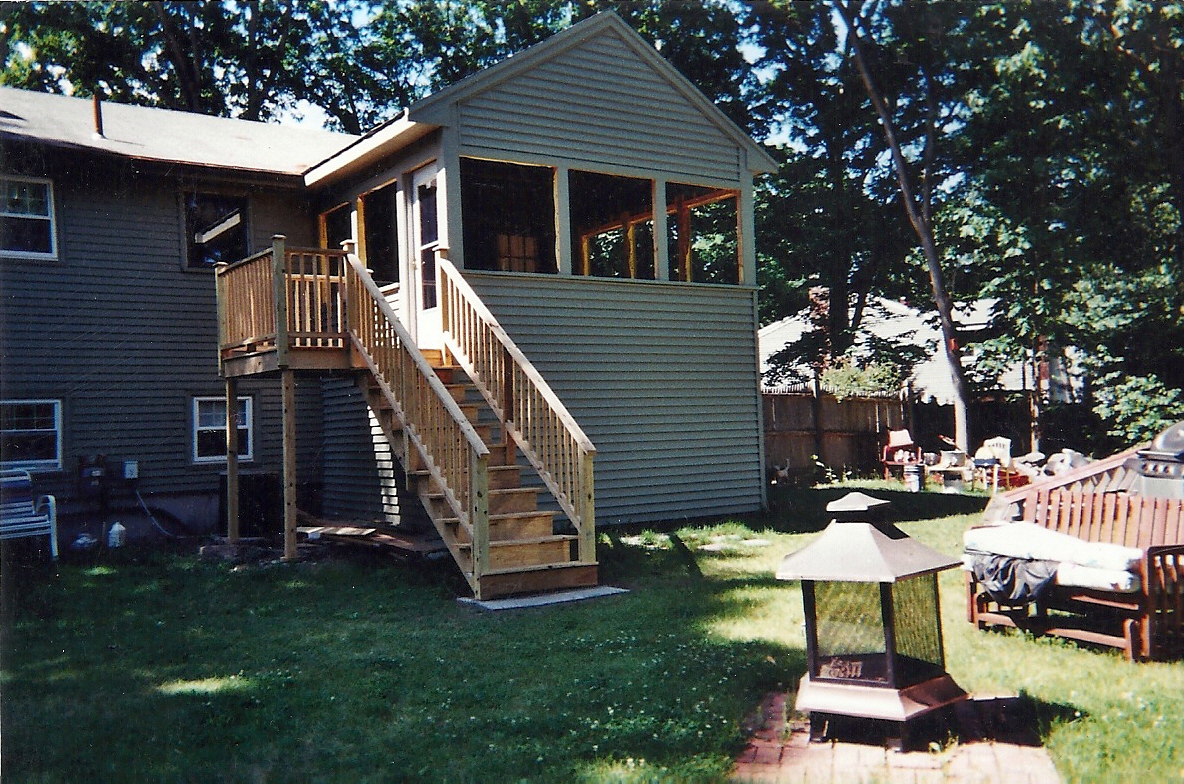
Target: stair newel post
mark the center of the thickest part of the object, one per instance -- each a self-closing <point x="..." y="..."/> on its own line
<point x="279" y="281"/>
<point x="479" y="511"/>
<point x="220" y="301"/>
<point x="349" y="298"/>
<point x="586" y="545"/>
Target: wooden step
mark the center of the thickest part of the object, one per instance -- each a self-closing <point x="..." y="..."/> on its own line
<point x="556" y="577"/>
<point x="459" y="392"/>
<point x="450" y="375"/>
<point x="434" y="356"/>
<point x="508" y="527"/>
<point x="514" y="553"/>
<point x="514" y="500"/>
<point x="501" y="477"/>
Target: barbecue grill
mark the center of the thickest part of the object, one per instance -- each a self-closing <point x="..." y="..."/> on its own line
<point x="1160" y="468"/>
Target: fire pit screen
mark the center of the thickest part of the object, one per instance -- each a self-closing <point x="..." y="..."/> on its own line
<point x="852" y="639"/>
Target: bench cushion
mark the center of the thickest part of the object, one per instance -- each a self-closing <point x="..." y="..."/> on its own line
<point x="1073" y="575"/>
<point x="1028" y="540"/>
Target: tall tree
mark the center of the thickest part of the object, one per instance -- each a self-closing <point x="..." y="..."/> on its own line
<point x="916" y="190"/>
<point x="250" y="60"/>
<point x="840" y="233"/>
<point x="1070" y="214"/>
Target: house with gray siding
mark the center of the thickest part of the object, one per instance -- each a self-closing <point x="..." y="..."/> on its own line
<point x="107" y="325"/>
<point x="540" y="280"/>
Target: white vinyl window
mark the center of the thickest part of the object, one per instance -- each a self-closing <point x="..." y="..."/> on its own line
<point x="209" y="429"/>
<point x="27" y="229"/>
<point x="31" y="434"/>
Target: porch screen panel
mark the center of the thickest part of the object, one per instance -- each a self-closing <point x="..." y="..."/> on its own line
<point x="508" y="212"/>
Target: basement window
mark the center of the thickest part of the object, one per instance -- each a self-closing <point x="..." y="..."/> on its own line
<point x="508" y="213"/>
<point x="703" y="234"/>
<point x="209" y="429"/>
<point x="31" y="434"/>
<point x="612" y="225"/>
<point x="27" y="229"/>
<point x="215" y="229"/>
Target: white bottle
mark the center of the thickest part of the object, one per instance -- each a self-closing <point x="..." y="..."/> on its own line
<point x="117" y="535"/>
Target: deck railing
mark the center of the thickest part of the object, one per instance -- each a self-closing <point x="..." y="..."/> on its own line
<point x="531" y="412"/>
<point x="280" y="299"/>
<point x="431" y="420"/>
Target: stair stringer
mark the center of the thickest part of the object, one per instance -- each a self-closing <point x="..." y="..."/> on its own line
<point x="406" y="450"/>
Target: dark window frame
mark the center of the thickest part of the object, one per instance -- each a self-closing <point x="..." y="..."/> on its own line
<point x="228" y="232"/>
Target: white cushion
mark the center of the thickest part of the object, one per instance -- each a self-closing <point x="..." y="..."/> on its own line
<point x="1073" y="575"/>
<point x="1028" y="540"/>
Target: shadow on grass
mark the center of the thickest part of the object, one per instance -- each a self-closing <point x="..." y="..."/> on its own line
<point x="803" y="509"/>
<point x="180" y="669"/>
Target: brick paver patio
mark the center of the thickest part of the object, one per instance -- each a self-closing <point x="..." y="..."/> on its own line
<point x="992" y="750"/>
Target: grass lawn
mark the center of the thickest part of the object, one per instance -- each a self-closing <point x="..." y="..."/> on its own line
<point x="159" y="667"/>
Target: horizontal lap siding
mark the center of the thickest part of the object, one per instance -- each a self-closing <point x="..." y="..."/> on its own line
<point x="124" y="337"/>
<point x="598" y="103"/>
<point x="662" y="378"/>
<point x="363" y="479"/>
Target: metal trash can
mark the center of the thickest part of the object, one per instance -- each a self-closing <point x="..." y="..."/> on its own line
<point x="912" y="477"/>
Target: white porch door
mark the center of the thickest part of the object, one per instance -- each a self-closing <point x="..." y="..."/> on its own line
<point x="425" y="241"/>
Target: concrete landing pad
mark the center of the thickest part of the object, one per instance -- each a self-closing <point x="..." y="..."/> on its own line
<point x="543" y="599"/>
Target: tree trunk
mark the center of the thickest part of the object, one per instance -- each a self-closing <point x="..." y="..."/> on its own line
<point x="924" y="231"/>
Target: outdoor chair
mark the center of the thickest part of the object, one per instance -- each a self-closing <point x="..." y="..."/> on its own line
<point x="23" y="515"/>
<point x="900" y="451"/>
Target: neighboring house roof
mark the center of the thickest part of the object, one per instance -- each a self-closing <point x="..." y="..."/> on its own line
<point x="438" y="110"/>
<point x="900" y="323"/>
<point x="167" y="136"/>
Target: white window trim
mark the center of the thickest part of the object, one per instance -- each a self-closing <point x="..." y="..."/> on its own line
<point x="52" y="255"/>
<point x="40" y="465"/>
<point x="196" y="428"/>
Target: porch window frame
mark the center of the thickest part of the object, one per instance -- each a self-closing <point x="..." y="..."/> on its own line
<point x="197" y="428"/>
<point x="50" y="217"/>
<point x="36" y="465"/>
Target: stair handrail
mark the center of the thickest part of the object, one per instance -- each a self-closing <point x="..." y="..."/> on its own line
<point x="534" y="416"/>
<point x="433" y="422"/>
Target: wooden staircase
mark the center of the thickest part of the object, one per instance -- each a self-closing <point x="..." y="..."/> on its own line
<point x="465" y="422"/>
<point x="525" y="553"/>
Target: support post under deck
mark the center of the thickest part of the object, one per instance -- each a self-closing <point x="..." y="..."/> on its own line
<point x="289" y="437"/>
<point x="232" y="528"/>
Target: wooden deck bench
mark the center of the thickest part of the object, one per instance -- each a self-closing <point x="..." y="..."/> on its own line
<point x="23" y="515"/>
<point x="1147" y="621"/>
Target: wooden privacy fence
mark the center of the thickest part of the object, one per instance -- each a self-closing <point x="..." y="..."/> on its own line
<point x="802" y="427"/>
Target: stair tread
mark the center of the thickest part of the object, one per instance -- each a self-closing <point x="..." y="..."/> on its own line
<point x="531" y="540"/>
<point x="437" y="496"/>
<point x="505" y="516"/>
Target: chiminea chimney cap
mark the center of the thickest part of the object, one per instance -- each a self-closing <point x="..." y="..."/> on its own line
<point x="858" y="550"/>
<point x="857" y="502"/>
